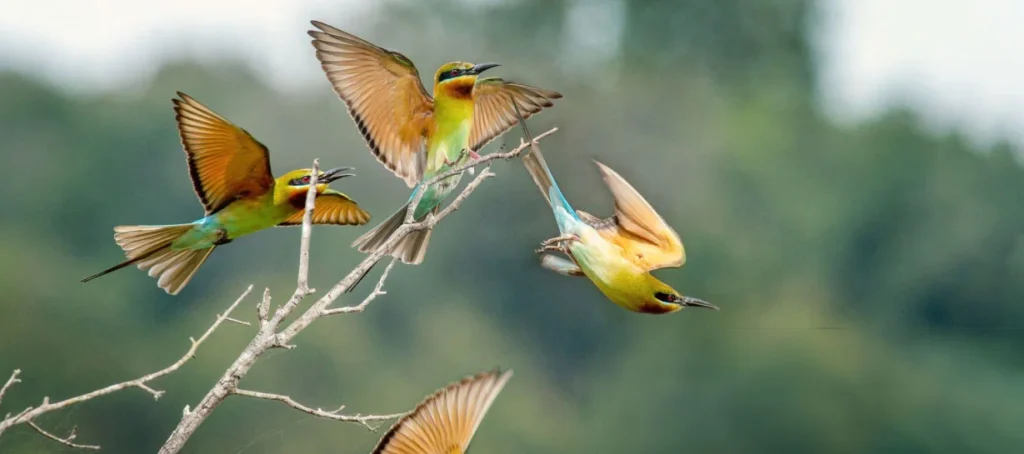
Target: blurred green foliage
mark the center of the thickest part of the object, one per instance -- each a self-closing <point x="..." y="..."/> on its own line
<point x="869" y="276"/>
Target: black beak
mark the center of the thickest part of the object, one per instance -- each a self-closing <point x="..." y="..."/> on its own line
<point x="482" y="67"/>
<point x="694" y="302"/>
<point x="335" y="174"/>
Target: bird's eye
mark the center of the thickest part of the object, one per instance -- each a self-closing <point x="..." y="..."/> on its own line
<point x="454" y="72"/>
<point x="665" y="297"/>
<point x="305" y="179"/>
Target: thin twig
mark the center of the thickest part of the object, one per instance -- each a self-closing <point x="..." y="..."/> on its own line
<point x="378" y="290"/>
<point x="269" y="337"/>
<point x="335" y="415"/>
<point x="30" y="414"/>
<point x="10" y="382"/>
<point x="66" y="441"/>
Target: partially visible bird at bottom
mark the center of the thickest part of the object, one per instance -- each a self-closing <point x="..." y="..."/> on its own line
<point x="230" y="172"/>
<point x="445" y="422"/>
<point x="617" y="254"/>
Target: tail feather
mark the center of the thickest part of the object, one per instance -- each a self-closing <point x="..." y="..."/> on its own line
<point x="540" y="171"/>
<point x="411" y="249"/>
<point x="149" y="247"/>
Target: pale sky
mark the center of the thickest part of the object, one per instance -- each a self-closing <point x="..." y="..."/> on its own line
<point x="960" y="62"/>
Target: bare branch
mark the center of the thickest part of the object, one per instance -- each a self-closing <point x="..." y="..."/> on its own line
<point x="66" y="441"/>
<point x="10" y="382"/>
<point x="302" y="286"/>
<point x="335" y="415"/>
<point x="263" y="308"/>
<point x="269" y="337"/>
<point x="30" y="414"/>
<point x="377" y="291"/>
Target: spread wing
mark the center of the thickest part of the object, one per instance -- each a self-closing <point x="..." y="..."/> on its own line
<point x="445" y="422"/>
<point x="332" y="207"/>
<point x="636" y="227"/>
<point x="224" y="161"/>
<point x="384" y="95"/>
<point x="493" y="113"/>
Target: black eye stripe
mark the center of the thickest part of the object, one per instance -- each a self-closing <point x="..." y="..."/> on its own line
<point x="450" y="74"/>
<point x="664" y="297"/>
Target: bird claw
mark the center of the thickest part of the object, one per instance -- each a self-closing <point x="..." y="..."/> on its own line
<point x="568" y="238"/>
<point x="558" y="243"/>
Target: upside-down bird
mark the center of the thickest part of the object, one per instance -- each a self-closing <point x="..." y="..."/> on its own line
<point x="617" y="254"/>
<point x="230" y="173"/>
<point x="415" y="136"/>
<point x="444" y="423"/>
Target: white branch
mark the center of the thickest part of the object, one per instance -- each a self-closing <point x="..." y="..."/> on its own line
<point x="269" y="337"/>
<point x="378" y="290"/>
<point x="335" y="415"/>
<point x="10" y="382"/>
<point x="66" y="441"/>
<point x="29" y="415"/>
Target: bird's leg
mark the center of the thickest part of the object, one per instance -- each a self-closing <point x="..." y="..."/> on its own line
<point x="462" y="154"/>
<point x="560" y="239"/>
<point x="558" y="243"/>
<point x="551" y="247"/>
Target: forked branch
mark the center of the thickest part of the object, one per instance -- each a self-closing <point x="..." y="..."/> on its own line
<point x="29" y="415"/>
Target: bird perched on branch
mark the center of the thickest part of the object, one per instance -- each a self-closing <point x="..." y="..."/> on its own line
<point x="230" y="173"/>
<point x="412" y="134"/>
<point x="444" y="423"/>
<point x="617" y="253"/>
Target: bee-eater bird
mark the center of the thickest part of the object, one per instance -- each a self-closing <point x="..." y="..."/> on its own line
<point x="230" y="172"/>
<point x="412" y="134"/>
<point x="444" y="423"/>
<point x="617" y="253"/>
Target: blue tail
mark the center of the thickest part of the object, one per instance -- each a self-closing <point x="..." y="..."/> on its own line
<point x="541" y="173"/>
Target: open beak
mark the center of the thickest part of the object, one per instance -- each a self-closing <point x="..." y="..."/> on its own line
<point x="694" y="302"/>
<point x="477" y="69"/>
<point x="335" y="174"/>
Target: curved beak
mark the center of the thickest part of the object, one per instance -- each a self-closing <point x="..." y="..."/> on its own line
<point x="335" y="174"/>
<point x="694" y="302"/>
<point x="477" y="69"/>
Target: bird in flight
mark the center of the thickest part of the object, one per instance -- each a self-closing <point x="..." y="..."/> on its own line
<point x="617" y="254"/>
<point x="444" y="423"/>
<point x="415" y="135"/>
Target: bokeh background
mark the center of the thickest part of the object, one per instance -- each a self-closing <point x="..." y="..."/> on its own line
<point x="846" y="175"/>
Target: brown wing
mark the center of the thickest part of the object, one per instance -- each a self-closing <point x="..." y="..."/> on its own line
<point x="493" y="113"/>
<point x="224" y="161"/>
<point x="332" y="207"/>
<point x="638" y="229"/>
<point x="384" y="95"/>
<point x="445" y="421"/>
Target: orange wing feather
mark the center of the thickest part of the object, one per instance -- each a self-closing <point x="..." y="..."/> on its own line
<point x="644" y="236"/>
<point x="332" y="208"/>
<point x="446" y="420"/>
<point x="225" y="162"/>
<point x="493" y="113"/>
<point x="384" y="95"/>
